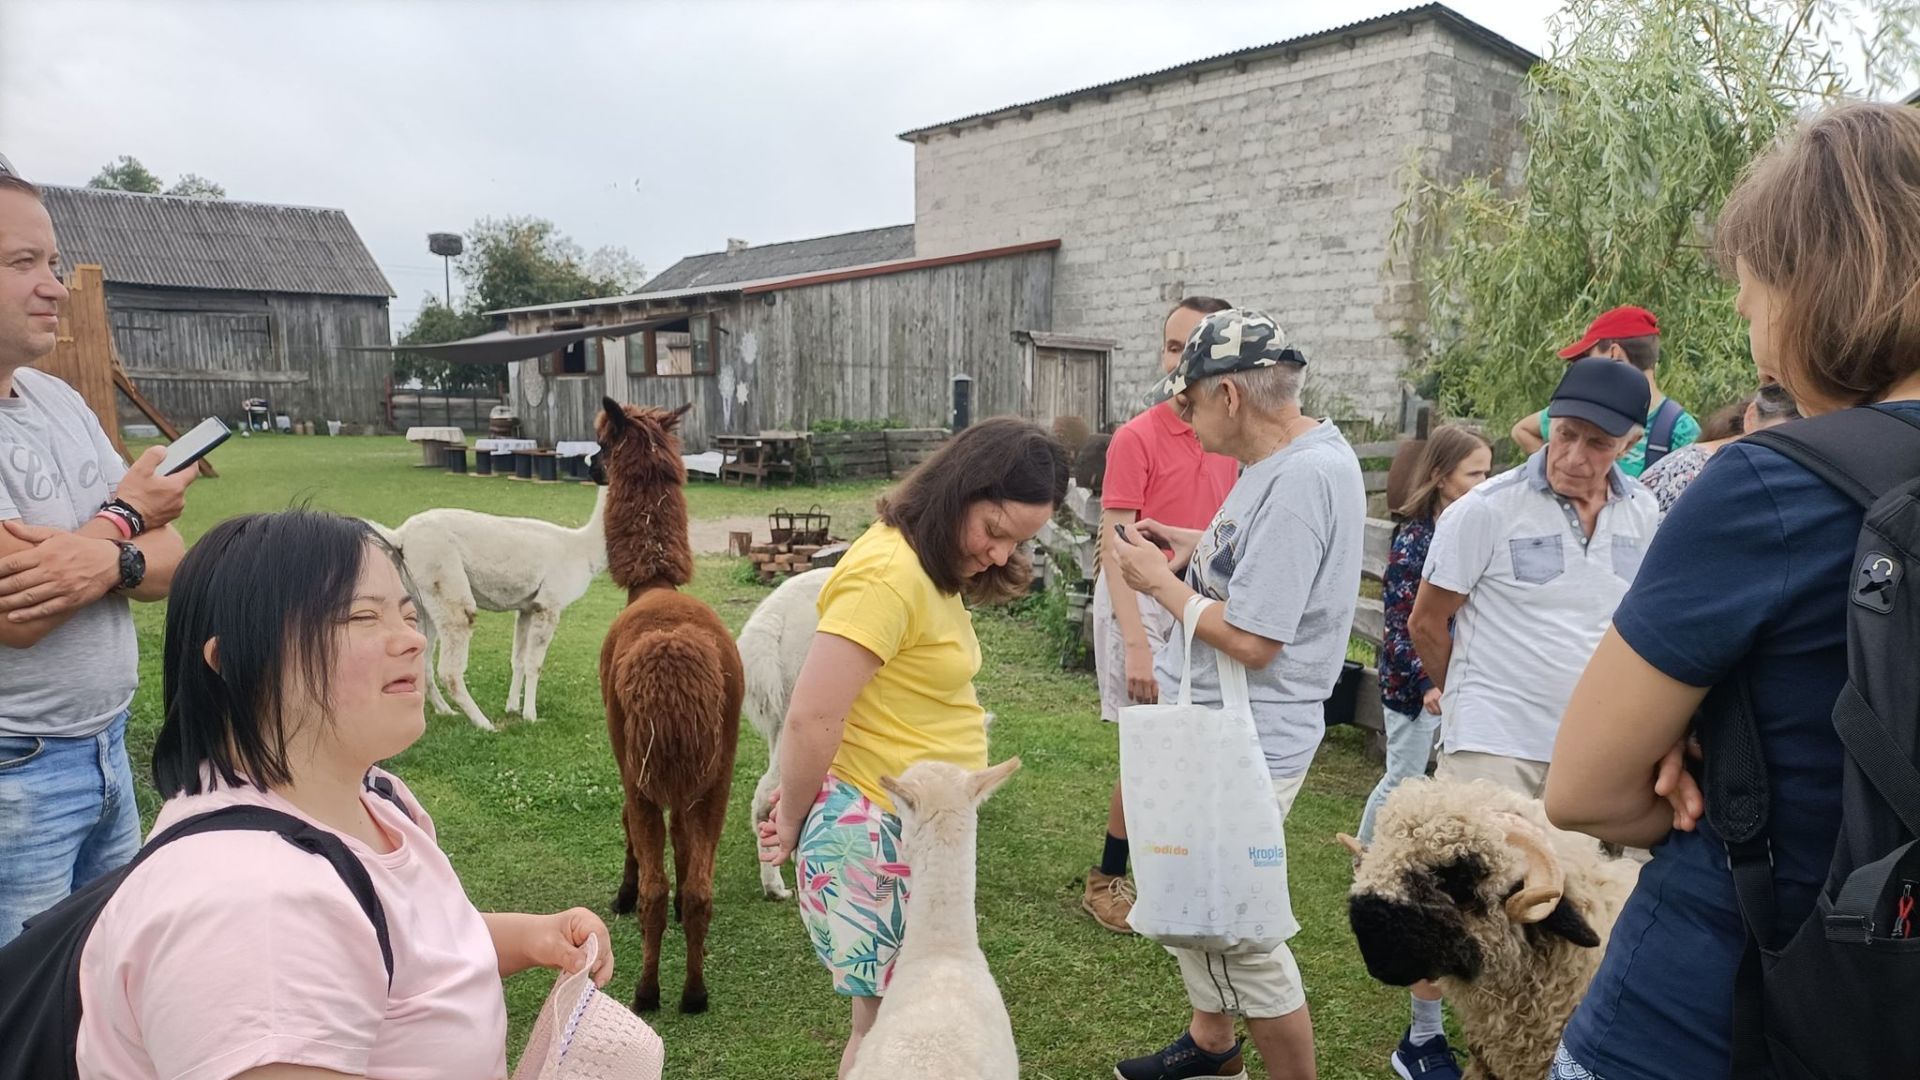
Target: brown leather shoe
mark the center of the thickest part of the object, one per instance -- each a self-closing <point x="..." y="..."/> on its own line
<point x="1109" y="899"/>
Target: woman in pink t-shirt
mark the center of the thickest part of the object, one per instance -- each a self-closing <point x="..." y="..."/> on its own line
<point x="292" y="664"/>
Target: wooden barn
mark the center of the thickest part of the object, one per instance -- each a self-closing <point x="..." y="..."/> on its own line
<point x="215" y="301"/>
<point x="782" y="336"/>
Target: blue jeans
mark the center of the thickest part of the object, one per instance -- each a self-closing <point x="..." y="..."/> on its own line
<point x="1409" y="748"/>
<point x="67" y="815"/>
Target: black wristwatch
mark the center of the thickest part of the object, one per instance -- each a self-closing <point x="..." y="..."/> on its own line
<point x="133" y="566"/>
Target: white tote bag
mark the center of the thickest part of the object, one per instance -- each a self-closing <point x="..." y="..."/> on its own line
<point x="1209" y="852"/>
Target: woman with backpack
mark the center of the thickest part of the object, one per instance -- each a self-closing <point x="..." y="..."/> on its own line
<point x="1749" y="586"/>
<point x="292" y="665"/>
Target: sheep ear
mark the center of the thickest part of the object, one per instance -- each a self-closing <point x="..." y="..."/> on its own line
<point x="983" y="783"/>
<point x="902" y="795"/>
<point x="1566" y="922"/>
<point x="1546" y="881"/>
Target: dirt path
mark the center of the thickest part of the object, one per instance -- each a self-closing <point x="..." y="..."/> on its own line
<point x="709" y="535"/>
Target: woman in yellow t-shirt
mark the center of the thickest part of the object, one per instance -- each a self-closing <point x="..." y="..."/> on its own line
<point x="888" y="682"/>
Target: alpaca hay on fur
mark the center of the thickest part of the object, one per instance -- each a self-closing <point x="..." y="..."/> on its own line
<point x="1467" y="885"/>
<point x="672" y="683"/>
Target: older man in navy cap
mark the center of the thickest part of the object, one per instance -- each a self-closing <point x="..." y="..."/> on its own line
<point x="1527" y="568"/>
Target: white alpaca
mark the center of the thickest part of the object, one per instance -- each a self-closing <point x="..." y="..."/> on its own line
<point x="463" y="562"/>
<point x="942" y="1015"/>
<point x="774" y="646"/>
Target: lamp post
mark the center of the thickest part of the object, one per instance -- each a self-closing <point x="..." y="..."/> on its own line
<point x="446" y="245"/>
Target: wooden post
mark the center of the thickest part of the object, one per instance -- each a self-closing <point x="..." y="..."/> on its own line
<point x="83" y="356"/>
<point x="740" y="544"/>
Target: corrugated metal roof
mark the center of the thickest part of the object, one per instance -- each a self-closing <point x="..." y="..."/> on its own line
<point x="788" y="281"/>
<point x="1438" y="12"/>
<point x="787" y="259"/>
<point x="184" y="243"/>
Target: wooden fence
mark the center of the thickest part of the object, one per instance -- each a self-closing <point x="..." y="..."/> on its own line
<point x="440" y="408"/>
<point x="858" y="455"/>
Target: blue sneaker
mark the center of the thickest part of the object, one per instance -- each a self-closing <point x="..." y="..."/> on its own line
<point x="1430" y="1060"/>
<point x="1184" y="1061"/>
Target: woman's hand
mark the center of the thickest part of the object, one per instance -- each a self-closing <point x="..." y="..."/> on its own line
<point x="556" y="941"/>
<point x="1180" y="541"/>
<point x="1142" y="565"/>
<point x="1672" y="782"/>
<point x="559" y="941"/>
<point x="778" y="836"/>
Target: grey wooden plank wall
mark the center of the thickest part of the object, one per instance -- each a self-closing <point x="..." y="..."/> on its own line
<point x="887" y="348"/>
<point x="197" y="354"/>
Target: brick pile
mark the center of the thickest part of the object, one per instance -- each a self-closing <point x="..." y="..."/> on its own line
<point x="775" y="561"/>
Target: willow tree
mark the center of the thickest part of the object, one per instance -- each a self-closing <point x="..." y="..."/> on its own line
<point x="1641" y="122"/>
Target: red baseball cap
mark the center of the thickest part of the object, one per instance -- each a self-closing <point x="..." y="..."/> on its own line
<point x="1625" y="321"/>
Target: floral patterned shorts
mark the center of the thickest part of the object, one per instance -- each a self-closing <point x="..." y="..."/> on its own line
<point x="853" y="888"/>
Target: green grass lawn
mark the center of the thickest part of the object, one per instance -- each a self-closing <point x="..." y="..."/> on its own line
<point x="531" y="815"/>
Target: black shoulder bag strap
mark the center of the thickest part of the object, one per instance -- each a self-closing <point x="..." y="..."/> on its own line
<point x="1660" y="434"/>
<point x="1861" y="453"/>
<point x="302" y="835"/>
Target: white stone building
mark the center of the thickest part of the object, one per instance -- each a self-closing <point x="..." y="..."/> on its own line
<point x="1269" y="176"/>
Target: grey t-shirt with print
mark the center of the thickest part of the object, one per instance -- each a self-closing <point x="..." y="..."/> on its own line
<point x="1283" y="554"/>
<point x="56" y="468"/>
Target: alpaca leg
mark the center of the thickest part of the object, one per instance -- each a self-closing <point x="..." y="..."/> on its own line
<point x="543" y="623"/>
<point x="435" y="699"/>
<point x="677" y="831"/>
<point x="772" y="885"/>
<point x="705" y="819"/>
<point x="453" y="666"/>
<point x="648" y="850"/>
<point x="520" y="621"/>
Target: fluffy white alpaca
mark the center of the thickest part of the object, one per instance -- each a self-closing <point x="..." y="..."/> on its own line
<point x="774" y="645"/>
<point x="942" y="1016"/>
<point x="463" y="562"/>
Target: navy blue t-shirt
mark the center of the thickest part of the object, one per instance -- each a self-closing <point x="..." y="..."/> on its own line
<point x="1750" y="571"/>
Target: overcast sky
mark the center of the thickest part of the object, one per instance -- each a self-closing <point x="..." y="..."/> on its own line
<point x="664" y="128"/>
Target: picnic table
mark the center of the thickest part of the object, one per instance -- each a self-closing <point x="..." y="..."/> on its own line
<point x="762" y="455"/>
<point x="434" y="444"/>
<point x="576" y="455"/>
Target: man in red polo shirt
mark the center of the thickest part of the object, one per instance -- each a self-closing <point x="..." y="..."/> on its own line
<point x="1155" y="469"/>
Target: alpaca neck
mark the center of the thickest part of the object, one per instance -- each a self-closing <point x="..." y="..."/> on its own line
<point x="941" y="906"/>
<point x="593" y="535"/>
<point x="646" y="533"/>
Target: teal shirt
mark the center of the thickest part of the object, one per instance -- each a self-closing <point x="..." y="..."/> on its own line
<point x="1686" y="432"/>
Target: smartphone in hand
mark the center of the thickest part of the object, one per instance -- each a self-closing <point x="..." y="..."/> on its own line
<point x="193" y="446"/>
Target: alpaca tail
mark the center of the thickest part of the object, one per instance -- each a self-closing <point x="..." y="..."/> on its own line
<point x="673" y="686"/>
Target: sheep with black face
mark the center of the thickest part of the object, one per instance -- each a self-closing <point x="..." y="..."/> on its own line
<point x="1466" y="884"/>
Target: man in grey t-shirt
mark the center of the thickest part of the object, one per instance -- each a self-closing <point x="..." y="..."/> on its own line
<point x="80" y="535"/>
<point x="1283" y="557"/>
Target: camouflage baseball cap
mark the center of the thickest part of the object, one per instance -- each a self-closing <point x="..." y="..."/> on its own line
<point x="1227" y="341"/>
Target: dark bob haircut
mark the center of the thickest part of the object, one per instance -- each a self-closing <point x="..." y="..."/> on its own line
<point x="272" y="588"/>
<point x="999" y="460"/>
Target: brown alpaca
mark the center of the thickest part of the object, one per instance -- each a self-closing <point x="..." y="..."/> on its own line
<point x="671" y="679"/>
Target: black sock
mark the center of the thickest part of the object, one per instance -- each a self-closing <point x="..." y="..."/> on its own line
<point x="1113" y="861"/>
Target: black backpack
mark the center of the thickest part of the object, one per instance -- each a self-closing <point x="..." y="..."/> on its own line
<point x="40" y="969"/>
<point x="1839" y="1000"/>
